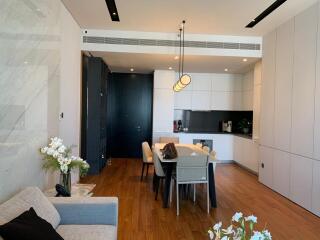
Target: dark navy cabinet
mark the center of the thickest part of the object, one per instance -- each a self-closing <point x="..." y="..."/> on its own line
<point x="94" y="134"/>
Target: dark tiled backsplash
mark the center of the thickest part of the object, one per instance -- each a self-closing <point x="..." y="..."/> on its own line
<point x="210" y="121"/>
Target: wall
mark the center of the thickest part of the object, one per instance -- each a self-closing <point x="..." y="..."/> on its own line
<point x="32" y="44"/>
<point x="290" y="113"/>
<point x="163" y="100"/>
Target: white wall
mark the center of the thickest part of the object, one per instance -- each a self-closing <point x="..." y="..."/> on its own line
<point x="163" y="100"/>
<point x="290" y="110"/>
<point x="33" y="48"/>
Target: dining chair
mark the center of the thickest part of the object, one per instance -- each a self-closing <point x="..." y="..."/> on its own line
<point x="191" y="170"/>
<point x="158" y="174"/>
<point x="169" y="140"/>
<point x="146" y="158"/>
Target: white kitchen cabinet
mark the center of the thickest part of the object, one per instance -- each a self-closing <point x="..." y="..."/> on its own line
<point x="305" y="46"/>
<point x="267" y="90"/>
<point x="201" y="100"/>
<point x="281" y="172"/>
<point x="163" y="110"/>
<point x="246" y="153"/>
<point x="163" y="79"/>
<point x="247" y="100"/>
<point x="201" y="81"/>
<point x="226" y="82"/>
<point x="266" y="166"/>
<point x="223" y="144"/>
<point x="316" y="188"/>
<point x="283" y="85"/>
<point x="183" y="100"/>
<point x="301" y="181"/>
<point x="226" y="101"/>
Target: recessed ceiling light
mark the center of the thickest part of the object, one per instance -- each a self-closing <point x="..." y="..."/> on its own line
<point x="245" y="60"/>
<point x="25" y="62"/>
<point x="226" y="69"/>
<point x="176" y="57"/>
<point x="38" y="9"/>
<point x="170" y="68"/>
<point x="131" y="69"/>
<point x="114" y="14"/>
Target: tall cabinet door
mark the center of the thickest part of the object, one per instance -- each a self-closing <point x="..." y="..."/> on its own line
<point x="266" y="166"/>
<point x="305" y="47"/>
<point x="281" y="172"/>
<point x="283" y="85"/>
<point x="267" y="91"/>
<point x="301" y="181"/>
<point x="317" y="100"/>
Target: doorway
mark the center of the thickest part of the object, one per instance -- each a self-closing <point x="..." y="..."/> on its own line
<point x="130" y="101"/>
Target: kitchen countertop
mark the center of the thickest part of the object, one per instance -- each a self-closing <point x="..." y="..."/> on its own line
<point x="247" y="136"/>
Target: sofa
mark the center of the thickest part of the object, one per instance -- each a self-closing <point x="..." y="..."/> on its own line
<point x="73" y="218"/>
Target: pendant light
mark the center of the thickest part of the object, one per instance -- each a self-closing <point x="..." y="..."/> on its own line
<point x="184" y="79"/>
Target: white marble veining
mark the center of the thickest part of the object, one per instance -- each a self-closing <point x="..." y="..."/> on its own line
<point x="30" y="40"/>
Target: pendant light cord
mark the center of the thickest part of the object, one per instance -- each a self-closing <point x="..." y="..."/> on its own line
<point x="182" y="68"/>
<point x="180" y="52"/>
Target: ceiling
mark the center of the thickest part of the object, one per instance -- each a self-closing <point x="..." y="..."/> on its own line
<point x="146" y="63"/>
<point x="223" y="17"/>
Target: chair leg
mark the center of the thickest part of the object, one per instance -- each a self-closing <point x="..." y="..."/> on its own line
<point x="171" y="189"/>
<point x="157" y="187"/>
<point x="147" y="170"/>
<point x="208" y="198"/>
<point x="194" y="192"/>
<point x="154" y="181"/>
<point x="142" y="172"/>
<point x="177" y="189"/>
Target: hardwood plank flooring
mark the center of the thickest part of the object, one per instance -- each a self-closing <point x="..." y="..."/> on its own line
<point x="143" y="218"/>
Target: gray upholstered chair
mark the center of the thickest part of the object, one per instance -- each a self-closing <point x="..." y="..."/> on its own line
<point x="192" y="168"/>
<point x="158" y="174"/>
<point x="169" y="140"/>
<point x="146" y="158"/>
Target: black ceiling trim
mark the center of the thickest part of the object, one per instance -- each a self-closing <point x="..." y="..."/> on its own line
<point x="112" y="7"/>
<point x="265" y="13"/>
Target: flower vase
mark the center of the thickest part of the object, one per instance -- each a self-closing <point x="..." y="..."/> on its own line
<point x="65" y="181"/>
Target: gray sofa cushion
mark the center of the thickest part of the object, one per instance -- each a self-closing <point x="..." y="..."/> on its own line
<point x="30" y="197"/>
<point x="85" y="232"/>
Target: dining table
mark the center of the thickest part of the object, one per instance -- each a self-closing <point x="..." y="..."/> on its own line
<point x="169" y="165"/>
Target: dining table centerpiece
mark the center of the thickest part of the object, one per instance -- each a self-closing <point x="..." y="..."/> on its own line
<point x="57" y="157"/>
<point x="241" y="228"/>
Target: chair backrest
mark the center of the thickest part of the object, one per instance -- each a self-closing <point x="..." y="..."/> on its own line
<point x="146" y="152"/>
<point x="206" y="149"/>
<point x="192" y="165"/>
<point x="157" y="166"/>
<point x="169" y="140"/>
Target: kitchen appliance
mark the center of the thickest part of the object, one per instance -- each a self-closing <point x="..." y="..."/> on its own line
<point x="227" y="126"/>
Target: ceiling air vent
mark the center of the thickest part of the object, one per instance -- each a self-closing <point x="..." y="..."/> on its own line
<point x="170" y="43"/>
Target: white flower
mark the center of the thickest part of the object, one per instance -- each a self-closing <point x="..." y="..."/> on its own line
<point x="64" y="168"/>
<point x="251" y="218"/>
<point x="225" y="238"/>
<point x="50" y="151"/>
<point x="217" y="226"/>
<point x="257" y="236"/>
<point x="229" y="230"/>
<point x="267" y="234"/>
<point x="236" y="217"/>
<point x="56" y="154"/>
<point x="211" y="234"/>
<point x="62" y="149"/>
<point x="44" y="149"/>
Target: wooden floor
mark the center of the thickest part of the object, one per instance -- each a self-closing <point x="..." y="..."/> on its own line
<point x="141" y="217"/>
